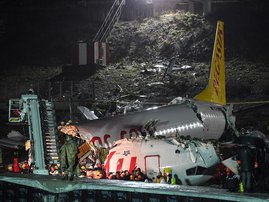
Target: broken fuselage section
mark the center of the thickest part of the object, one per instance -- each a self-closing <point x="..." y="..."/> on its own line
<point x="189" y="160"/>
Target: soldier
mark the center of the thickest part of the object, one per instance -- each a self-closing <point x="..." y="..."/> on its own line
<point x="69" y="151"/>
<point x="69" y="159"/>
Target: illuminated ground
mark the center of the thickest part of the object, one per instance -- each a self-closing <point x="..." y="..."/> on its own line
<point x="55" y="185"/>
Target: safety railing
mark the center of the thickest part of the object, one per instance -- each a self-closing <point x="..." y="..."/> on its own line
<point x="56" y="90"/>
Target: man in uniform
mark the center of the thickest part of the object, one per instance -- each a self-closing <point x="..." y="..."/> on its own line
<point x="69" y="151"/>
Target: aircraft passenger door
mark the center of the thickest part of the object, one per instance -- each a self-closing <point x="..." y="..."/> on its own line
<point x="152" y="165"/>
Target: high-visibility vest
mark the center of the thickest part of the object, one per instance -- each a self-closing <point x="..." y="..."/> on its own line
<point x="173" y="181"/>
<point x="241" y="187"/>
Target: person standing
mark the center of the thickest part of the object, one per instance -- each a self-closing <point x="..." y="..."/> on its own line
<point x="69" y="159"/>
<point x="69" y="152"/>
<point x="232" y="182"/>
<point x="1" y="160"/>
<point x="246" y="156"/>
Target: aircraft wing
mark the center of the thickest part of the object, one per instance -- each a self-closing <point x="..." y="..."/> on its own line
<point x="13" y="140"/>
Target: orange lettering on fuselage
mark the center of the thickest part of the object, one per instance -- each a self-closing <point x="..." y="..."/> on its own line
<point x="132" y="132"/>
<point x="218" y="58"/>
<point x="95" y="138"/>
<point x="106" y="136"/>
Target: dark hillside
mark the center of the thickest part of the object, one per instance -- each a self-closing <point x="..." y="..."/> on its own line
<point x="141" y="51"/>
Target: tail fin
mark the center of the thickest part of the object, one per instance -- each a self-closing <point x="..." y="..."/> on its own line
<point x="215" y="91"/>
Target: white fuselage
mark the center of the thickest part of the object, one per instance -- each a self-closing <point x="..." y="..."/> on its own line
<point x="191" y="118"/>
<point x="189" y="159"/>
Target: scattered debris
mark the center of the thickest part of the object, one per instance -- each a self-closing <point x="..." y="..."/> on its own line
<point x="87" y="113"/>
<point x="155" y="83"/>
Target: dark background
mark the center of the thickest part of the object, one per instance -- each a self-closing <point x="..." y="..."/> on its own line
<point x="44" y="32"/>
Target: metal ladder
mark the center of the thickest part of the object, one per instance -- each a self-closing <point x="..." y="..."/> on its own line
<point x="110" y="20"/>
<point x="49" y="131"/>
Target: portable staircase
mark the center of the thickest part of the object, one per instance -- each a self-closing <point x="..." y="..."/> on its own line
<point x="40" y="117"/>
<point x="49" y="131"/>
<point x="110" y="20"/>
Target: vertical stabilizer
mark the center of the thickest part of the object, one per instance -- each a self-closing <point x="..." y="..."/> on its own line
<point x="215" y="91"/>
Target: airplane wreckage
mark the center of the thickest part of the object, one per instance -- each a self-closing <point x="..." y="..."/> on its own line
<point x="172" y="139"/>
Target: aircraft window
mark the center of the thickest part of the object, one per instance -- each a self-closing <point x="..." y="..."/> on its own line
<point x="198" y="170"/>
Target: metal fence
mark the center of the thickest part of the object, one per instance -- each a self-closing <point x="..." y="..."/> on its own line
<point x="56" y="90"/>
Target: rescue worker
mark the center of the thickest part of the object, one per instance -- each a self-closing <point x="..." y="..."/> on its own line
<point x="127" y="175"/>
<point x="1" y="159"/>
<point x="232" y="182"/>
<point x="25" y="167"/>
<point x="251" y="148"/>
<point x="159" y="177"/>
<point x="103" y="152"/>
<point x="69" y="151"/>
<point x="139" y="176"/>
<point x="27" y="145"/>
<point x="62" y="124"/>
<point x="69" y="160"/>
<point x="54" y="169"/>
<point x="169" y="178"/>
<point x="16" y="166"/>
<point x="246" y="156"/>
<point x="175" y="180"/>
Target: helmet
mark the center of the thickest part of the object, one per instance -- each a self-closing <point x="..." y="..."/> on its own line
<point x="69" y="122"/>
<point x="10" y="168"/>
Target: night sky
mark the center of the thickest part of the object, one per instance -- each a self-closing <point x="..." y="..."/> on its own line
<point x="45" y="32"/>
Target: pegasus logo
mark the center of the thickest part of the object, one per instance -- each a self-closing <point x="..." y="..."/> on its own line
<point x="215" y="90"/>
<point x="126" y="153"/>
<point x="218" y="58"/>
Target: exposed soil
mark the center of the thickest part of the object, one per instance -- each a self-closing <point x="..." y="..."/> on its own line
<point x="141" y="52"/>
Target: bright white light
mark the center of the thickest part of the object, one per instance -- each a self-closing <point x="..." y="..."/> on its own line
<point x="152" y="108"/>
<point x="191" y="126"/>
<point x="199" y="124"/>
